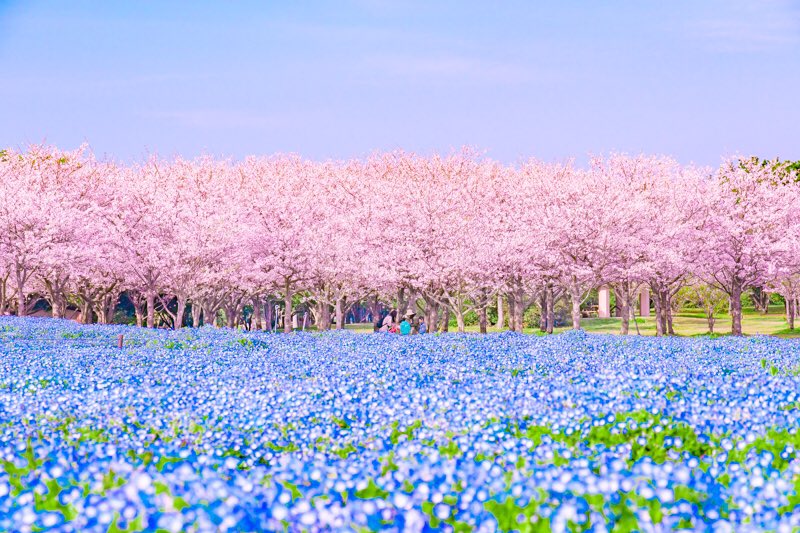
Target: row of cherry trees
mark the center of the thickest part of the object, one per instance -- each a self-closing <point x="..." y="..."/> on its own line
<point x="193" y="241"/>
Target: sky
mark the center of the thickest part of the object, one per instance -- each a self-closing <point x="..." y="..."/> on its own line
<point x="694" y="79"/>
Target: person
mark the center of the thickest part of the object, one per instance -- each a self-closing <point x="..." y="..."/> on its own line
<point x="422" y="327"/>
<point x="389" y="320"/>
<point x="405" y="325"/>
<point x="384" y="328"/>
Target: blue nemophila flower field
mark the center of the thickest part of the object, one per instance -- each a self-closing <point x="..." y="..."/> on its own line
<point x="206" y="430"/>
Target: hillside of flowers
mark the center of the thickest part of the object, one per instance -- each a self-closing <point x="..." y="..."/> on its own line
<point x="216" y="429"/>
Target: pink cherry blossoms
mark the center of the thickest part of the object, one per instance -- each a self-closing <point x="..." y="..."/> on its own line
<point x="193" y="242"/>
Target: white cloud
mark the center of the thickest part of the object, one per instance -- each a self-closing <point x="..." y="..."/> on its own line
<point x="749" y="26"/>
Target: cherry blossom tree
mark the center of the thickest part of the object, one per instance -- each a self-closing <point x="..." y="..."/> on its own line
<point x="623" y="230"/>
<point x="45" y="212"/>
<point x="440" y="234"/>
<point x="749" y="230"/>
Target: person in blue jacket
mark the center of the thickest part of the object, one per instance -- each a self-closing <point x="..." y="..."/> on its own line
<point x="405" y="325"/>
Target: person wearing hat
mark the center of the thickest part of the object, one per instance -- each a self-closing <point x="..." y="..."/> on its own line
<point x="405" y="325"/>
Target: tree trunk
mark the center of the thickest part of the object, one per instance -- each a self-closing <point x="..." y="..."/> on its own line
<point x="551" y="313"/>
<point x="268" y="315"/>
<point x="340" y="318"/>
<point x="575" y="295"/>
<point x="445" y="326"/>
<point x="55" y="295"/>
<point x="21" y="278"/>
<point x="483" y="321"/>
<point x="501" y="319"/>
<point x="112" y="299"/>
<point x="197" y="311"/>
<point x="210" y="315"/>
<point x="659" y="312"/>
<point x="736" y="308"/>
<point x="412" y="300"/>
<point x="287" y="311"/>
<point x="137" y="311"/>
<point x="104" y="308"/>
<point x="670" y="328"/>
<point x="543" y="311"/>
<point x="3" y="294"/>
<point x="791" y="310"/>
<point x="512" y="323"/>
<point x="150" y="300"/>
<point x="255" y="321"/>
<point x="760" y="299"/>
<point x="375" y="309"/>
<point x="21" y="307"/>
<point x="59" y="306"/>
<point x="431" y="313"/>
<point x="86" y="311"/>
<point x="519" y="308"/>
<point x="711" y="321"/>
<point x="324" y="316"/>
<point x="402" y="303"/>
<point x="623" y="303"/>
<point x="663" y="297"/>
<point x="230" y="315"/>
<point x="180" y="312"/>
<point x="460" y="320"/>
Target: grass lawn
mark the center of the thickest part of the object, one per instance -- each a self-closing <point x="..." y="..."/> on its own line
<point x="691" y="322"/>
<point x="687" y="323"/>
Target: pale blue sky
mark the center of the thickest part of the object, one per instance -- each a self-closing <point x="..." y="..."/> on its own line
<point x="690" y="78"/>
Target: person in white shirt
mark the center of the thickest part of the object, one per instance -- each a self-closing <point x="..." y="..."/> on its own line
<point x="389" y="320"/>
